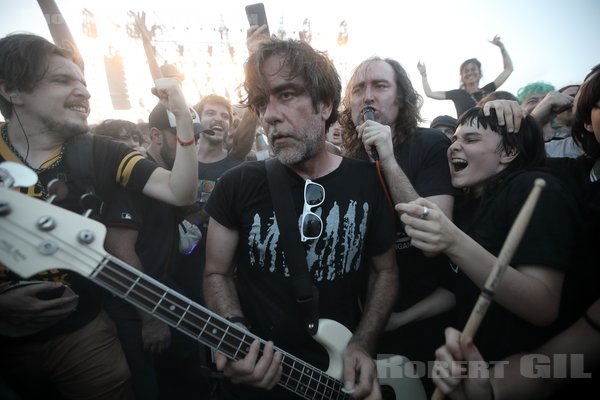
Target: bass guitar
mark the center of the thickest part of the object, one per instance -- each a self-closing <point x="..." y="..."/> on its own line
<point x="36" y="236"/>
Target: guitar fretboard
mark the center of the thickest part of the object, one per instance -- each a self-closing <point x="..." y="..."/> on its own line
<point x="207" y="327"/>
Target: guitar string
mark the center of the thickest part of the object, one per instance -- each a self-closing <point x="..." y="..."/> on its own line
<point x="297" y="384"/>
<point x="300" y="384"/>
<point x="330" y="384"/>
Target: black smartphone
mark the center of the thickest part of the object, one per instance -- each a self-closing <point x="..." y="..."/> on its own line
<point x="257" y="16"/>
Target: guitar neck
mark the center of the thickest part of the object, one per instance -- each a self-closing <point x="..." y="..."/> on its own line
<point x="34" y="233"/>
<point x="207" y="327"/>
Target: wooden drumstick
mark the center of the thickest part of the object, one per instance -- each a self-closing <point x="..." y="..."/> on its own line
<point x="493" y="280"/>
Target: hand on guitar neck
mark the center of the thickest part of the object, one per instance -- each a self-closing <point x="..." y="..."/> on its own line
<point x="35" y="235"/>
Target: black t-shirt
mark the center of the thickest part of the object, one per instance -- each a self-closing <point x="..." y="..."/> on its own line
<point x="582" y="287"/>
<point x="358" y="223"/>
<point x="115" y="165"/>
<point x="423" y="158"/>
<point x="549" y="241"/>
<point x="464" y="100"/>
<point x="190" y="267"/>
<point x="156" y="223"/>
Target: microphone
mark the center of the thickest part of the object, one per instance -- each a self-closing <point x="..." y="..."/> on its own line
<point x="369" y="115"/>
<point x="200" y="128"/>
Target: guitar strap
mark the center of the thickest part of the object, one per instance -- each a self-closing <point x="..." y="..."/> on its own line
<point x="79" y="153"/>
<point x="306" y="294"/>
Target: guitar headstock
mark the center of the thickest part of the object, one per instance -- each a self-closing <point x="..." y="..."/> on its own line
<point x="36" y="236"/>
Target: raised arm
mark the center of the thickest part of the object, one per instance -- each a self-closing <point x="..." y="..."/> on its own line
<point x="61" y="34"/>
<point x="146" y="36"/>
<point x="178" y="186"/>
<point x="374" y="134"/>
<point x="426" y="88"/>
<point x="244" y="136"/>
<point x="531" y="291"/>
<point x="508" y="66"/>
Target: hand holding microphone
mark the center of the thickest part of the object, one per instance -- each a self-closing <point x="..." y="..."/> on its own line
<point x="369" y="115"/>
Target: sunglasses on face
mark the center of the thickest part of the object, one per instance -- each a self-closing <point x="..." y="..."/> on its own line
<point x="311" y="225"/>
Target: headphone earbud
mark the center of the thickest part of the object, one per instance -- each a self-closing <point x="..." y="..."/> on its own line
<point x="13" y="94"/>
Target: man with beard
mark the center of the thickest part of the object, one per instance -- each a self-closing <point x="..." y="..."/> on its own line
<point x="295" y="91"/>
<point x="414" y="164"/>
<point x="65" y="344"/>
<point x="144" y="232"/>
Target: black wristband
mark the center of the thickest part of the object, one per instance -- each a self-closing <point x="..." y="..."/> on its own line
<point x="234" y="319"/>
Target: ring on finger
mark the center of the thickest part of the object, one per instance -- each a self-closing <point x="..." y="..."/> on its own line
<point x="425" y="212"/>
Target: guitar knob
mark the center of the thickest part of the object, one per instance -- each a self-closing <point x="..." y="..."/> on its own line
<point x="46" y="223"/>
<point x="91" y="203"/>
<point x="86" y="236"/>
<point x="47" y="248"/>
<point x="57" y="191"/>
<point x="4" y="209"/>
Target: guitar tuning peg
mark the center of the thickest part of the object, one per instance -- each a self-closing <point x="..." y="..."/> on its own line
<point x="6" y="179"/>
<point x="13" y="174"/>
<point x="57" y="191"/>
<point x="91" y="203"/>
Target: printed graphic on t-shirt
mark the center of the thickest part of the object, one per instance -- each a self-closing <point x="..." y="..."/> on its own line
<point x="336" y="253"/>
<point x="402" y="240"/>
<point x="205" y="188"/>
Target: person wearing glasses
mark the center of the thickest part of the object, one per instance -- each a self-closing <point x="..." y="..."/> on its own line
<point x="345" y="225"/>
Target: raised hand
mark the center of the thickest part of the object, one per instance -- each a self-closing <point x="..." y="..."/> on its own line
<point x="460" y="371"/>
<point x="255" y="35"/>
<point x="496" y="41"/>
<point x="421" y="68"/>
<point x="168" y="90"/>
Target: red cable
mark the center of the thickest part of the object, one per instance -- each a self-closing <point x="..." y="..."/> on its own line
<point x="383" y="185"/>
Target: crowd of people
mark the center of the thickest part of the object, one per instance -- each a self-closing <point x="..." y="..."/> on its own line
<point x="395" y="228"/>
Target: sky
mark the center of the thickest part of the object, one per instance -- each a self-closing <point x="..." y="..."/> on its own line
<point x="555" y="41"/>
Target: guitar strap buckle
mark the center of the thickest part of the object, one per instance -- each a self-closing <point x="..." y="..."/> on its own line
<point x="309" y="309"/>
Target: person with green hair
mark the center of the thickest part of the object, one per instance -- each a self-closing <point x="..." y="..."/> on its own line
<point x="543" y="102"/>
<point x="531" y="94"/>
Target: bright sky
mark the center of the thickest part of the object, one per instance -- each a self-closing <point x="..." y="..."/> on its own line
<point x="556" y="41"/>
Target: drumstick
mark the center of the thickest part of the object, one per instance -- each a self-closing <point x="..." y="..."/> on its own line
<point x="508" y="249"/>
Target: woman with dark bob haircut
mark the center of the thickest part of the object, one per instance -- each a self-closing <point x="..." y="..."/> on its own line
<point x="497" y="169"/>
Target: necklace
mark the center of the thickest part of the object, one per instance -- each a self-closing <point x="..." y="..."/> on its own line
<point x="51" y="163"/>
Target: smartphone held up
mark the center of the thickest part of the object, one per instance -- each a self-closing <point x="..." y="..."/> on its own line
<point x="256" y="15"/>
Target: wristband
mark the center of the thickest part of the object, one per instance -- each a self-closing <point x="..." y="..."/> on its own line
<point x="184" y="143"/>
